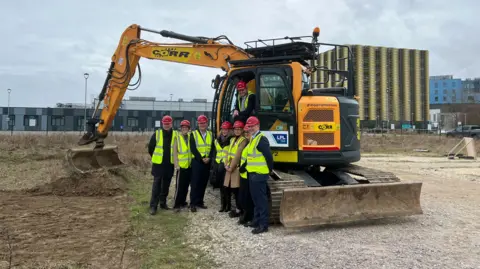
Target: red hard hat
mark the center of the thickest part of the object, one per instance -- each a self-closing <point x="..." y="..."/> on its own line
<point x="167" y="119"/>
<point x="226" y="125"/>
<point x="202" y="119"/>
<point x="238" y="124"/>
<point x="245" y="128"/>
<point x="241" y="85"/>
<point x="252" y="121"/>
<point x="185" y="123"/>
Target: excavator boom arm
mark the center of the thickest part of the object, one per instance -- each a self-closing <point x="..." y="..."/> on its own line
<point x="201" y="52"/>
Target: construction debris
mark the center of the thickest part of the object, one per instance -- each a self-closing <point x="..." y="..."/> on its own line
<point x="468" y="145"/>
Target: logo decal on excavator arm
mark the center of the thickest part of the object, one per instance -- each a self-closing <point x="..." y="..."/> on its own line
<point x="174" y="54"/>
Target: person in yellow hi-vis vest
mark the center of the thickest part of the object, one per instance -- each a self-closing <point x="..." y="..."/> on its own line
<point x="160" y="149"/>
<point x="244" y="192"/>
<point x="202" y="146"/>
<point x="245" y="103"/>
<point x="232" y="176"/>
<point x="221" y="149"/>
<point x="182" y="157"/>
<point x="259" y="167"/>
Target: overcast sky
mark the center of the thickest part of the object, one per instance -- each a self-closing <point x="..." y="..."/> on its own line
<point x="47" y="45"/>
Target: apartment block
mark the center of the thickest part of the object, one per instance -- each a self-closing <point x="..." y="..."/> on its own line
<point x="392" y="83"/>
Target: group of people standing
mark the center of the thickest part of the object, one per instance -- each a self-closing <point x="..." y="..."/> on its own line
<point x="240" y="157"/>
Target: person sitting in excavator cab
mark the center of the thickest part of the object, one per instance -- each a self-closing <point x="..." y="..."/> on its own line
<point x="245" y="103"/>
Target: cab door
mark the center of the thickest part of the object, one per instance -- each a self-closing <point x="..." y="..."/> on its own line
<point x="275" y="108"/>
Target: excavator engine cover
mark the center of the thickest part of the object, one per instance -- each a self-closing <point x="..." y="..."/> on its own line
<point x="87" y="160"/>
<point x="312" y="206"/>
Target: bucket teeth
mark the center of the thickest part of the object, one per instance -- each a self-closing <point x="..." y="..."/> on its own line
<point x="87" y="160"/>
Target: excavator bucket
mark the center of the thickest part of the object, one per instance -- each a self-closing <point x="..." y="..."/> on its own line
<point x="87" y="160"/>
<point x="313" y="206"/>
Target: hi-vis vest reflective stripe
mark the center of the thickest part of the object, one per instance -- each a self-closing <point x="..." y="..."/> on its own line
<point x="184" y="153"/>
<point x="256" y="162"/>
<point x="157" y="155"/>
<point x="243" y="106"/>
<point x="221" y="152"/>
<point x="232" y="149"/>
<point x="243" y="160"/>
<point x="203" y="147"/>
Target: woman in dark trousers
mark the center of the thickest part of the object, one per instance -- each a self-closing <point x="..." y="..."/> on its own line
<point x="244" y="193"/>
<point x="232" y="162"/>
<point x="221" y="147"/>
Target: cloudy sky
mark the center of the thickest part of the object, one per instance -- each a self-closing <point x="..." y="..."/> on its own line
<point x="47" y="45"/>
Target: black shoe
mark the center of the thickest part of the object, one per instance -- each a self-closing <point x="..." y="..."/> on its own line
<point x="153" y="211"/>
<point x="164" y="206"/>
<point x="233" y="214"/>
<point x="203" y="206"/>
<point x="193" y="209"/>
<point x="260" y="230"/>
<point x="251" y="224"/>
<point x="222" y="209"/>
<point x="241" y="221"/>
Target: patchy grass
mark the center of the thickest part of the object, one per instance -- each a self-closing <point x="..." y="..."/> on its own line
<point x="160" y="240"/>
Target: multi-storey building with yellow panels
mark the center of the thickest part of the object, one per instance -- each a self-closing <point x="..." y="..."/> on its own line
<point x="392" y="84"/>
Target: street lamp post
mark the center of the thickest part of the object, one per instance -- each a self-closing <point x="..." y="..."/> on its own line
<point x="85" y="75"/>
<point x="8" y="111"/>
<point x="171" y="105"/>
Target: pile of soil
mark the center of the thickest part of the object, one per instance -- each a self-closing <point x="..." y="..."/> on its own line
<point x="95" y="184"/>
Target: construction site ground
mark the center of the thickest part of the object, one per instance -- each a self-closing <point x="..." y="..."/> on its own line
<point x="52" y="218"/>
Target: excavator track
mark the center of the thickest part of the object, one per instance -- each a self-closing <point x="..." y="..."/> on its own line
<point x="369" y="175"/>
<point x="287" y="181"/>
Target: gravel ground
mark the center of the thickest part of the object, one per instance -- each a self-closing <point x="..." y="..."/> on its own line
<point x="447" y="235"/>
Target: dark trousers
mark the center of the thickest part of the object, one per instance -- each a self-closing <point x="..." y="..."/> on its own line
<point x="200" y="175"/>
<point x="182" y="184"/>
<point x="218" y="176"/>
<point x="228" y="197"/>
<point x="161" y="186"/>
<point x="259" y="191"/>
<point x="246" y="200"/>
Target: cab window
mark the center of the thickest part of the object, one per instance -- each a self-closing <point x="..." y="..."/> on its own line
<point x="274" y="95"/>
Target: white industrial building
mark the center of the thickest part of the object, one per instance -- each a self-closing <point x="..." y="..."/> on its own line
<point x="150" y="103"/>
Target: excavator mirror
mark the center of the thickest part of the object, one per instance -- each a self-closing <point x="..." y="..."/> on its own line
<point x="216" y="82"/>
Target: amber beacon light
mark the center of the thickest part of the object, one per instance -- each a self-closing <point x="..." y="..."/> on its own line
<point x="316" y="32"/>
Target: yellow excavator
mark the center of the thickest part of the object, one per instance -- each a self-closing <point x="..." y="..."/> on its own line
<point x="313" y="129"/>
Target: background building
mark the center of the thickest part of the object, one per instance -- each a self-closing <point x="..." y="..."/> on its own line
<point x="471" y="90"/>
<point x="448" y="90"/>
<point x="135" y="114"/>
<point x="392" y="83"/>
<point x="445" y="90"/>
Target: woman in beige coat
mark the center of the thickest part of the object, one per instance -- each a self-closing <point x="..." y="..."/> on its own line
<point x="232" y="163"/>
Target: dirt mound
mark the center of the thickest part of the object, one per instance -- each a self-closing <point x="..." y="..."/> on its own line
<point x="95" y="184"/>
